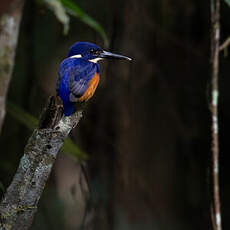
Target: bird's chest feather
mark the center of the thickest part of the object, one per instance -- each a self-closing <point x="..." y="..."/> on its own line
<point x="92" y="85"/>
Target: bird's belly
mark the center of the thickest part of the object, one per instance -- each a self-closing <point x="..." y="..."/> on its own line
<point x="91" y="88"/>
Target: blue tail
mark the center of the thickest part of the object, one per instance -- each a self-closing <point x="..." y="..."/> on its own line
<point x="68" y="108"/>
<point x="63" y="92"/>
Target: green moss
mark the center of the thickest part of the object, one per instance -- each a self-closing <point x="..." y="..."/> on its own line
<point x="21" y="208"/>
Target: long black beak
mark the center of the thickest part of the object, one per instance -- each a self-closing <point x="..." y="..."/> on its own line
<point x="109" y="55"/>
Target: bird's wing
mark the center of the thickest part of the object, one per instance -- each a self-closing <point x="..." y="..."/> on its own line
<point x="80" y="72"/>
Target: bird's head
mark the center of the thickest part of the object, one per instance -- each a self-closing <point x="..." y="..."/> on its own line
<point x="92" y="52"/>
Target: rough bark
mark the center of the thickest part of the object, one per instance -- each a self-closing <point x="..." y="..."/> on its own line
<point x="9" y="28"/>
<point x="20" y="201"/>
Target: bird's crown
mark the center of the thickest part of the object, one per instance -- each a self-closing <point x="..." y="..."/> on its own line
<point x="85" y="50"/>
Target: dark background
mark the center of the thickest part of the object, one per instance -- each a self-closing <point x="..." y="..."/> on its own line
<point x="147" y="129"/>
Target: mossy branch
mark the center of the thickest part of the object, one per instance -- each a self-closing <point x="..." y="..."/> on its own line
<point x="20" y="201"/>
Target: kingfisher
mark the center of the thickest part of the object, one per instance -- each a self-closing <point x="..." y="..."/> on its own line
<point x="79" y="73"/>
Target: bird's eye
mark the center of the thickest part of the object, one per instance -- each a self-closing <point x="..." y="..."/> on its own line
<point x="91" y="51"/>
<point x="94" y="52"/>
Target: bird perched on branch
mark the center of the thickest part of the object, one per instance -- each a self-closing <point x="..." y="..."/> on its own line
<point x="79" y="73"/>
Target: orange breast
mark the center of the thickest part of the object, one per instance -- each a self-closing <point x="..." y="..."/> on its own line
<point x="91" y="88"/>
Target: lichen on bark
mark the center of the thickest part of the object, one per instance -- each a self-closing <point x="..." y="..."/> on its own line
<point x="20" y="201"/>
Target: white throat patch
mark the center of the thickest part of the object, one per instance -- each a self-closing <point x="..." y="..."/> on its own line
<point x="95" y="60"/>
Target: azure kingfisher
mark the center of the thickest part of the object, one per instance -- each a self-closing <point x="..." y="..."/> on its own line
<point x="79" y="73"/>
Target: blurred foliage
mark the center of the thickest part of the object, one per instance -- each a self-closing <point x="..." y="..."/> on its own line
<point x="60" y="12"/>
<point x="31" y="122"/>
<point x="21" y="116"/>
<point x="228" y="2"/>
<point x="76" y="11"/>
<point x="62" y="7"/>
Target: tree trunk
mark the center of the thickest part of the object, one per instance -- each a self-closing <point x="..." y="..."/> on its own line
<point x="9" y="29"/>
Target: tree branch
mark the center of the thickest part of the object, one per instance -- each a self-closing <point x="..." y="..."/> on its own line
<point x="19" y="204"/>
<point x="225" y="44"/>
<point x="215" y="36"/>
<point x="9" y="28"/>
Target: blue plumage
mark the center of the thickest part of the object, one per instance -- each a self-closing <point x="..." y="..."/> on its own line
<point x="64" y="92"/>
<point x="84" y="48"/>
<point x="76" y="75"/>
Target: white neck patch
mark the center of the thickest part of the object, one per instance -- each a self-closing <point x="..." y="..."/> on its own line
<point x="76" y="56"/>
<point x="95" y="60"/>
